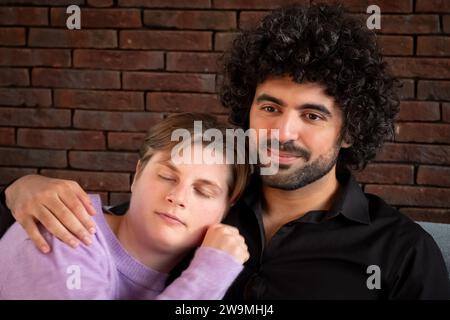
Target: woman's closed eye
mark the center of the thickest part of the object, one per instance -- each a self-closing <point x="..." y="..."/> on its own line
<point x="166" y="177"/>
<point x="204" y="193"/>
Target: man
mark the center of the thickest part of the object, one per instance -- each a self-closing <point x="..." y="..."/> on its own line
<point x="317" y="76"/>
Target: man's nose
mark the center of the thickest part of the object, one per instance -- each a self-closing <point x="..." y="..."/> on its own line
<point x="177" y="196"/>
<point x="288" y="127"/>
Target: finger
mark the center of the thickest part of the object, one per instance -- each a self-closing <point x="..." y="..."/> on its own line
<point x="85" y="219"/>
<point x="244" y="254"/>
<point x="35" y="235"/>
<point x="68" y="219"/>
<point x="234" y="229"/>
<point x="83" y="197"/>
<point x="55" y="227"/>
<point x="231" y="230"/>
<point x="222" y="226"/>
<point x="73" y="203"/>
<point x="215" y="226"/>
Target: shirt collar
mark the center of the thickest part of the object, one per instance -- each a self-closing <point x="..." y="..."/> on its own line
<point x="350" y="201"/>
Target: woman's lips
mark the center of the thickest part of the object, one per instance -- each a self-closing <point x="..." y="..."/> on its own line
<point x="283" y="157"/>
<point x="170" y="218"/>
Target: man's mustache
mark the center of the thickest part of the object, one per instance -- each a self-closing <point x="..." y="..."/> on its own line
<point x="289" y="147"/>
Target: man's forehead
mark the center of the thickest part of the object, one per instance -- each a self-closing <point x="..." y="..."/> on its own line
<point x="283" y="81"/>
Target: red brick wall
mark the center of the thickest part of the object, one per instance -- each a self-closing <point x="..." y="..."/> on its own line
<point x="75" y="104"/>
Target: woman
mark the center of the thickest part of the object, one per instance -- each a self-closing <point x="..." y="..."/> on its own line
<point x="174" y="208"/>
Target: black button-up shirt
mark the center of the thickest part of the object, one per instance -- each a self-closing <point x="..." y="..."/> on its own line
<point x="338" y="254"/>
<point x="335" y="254"/>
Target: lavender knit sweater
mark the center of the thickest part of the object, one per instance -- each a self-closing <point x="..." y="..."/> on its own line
<point x="103" y="270"/>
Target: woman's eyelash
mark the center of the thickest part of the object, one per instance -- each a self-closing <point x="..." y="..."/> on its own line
<point x="166" y="178"/>
<point x="202" y="193"/>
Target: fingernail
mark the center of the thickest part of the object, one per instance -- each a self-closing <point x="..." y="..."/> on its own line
<point x="73" y="243"/>
<point x="45" y="249"/>
<point x="92" y="230"/>
<point x="87" y="240"/>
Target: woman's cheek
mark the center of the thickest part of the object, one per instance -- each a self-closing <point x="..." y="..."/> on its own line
<point x="214" y="213"/>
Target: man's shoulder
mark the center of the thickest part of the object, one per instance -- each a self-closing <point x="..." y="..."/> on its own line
<point x="406" y="243"/>
<point x="389" y="218"/>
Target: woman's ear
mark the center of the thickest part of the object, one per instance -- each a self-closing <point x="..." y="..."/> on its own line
<point x="136" y="173"/>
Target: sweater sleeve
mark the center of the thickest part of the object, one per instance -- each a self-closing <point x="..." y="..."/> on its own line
<point x="64" y="273"/>
<point x="208" y="277"/>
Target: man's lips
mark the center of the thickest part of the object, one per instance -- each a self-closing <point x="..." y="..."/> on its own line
<point x="170" y="218"/>
<point x="283" y="157"/>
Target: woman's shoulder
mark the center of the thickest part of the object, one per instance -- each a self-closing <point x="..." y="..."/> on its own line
<point x="14" y="239"/>
<point x="16" y="242"/>
<point x="27" y="273"/>
<point x="16" y="246"/>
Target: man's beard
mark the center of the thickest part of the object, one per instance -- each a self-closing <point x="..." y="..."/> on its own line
<point x="291" y="178"/>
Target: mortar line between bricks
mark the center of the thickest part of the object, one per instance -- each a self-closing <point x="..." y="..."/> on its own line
<point x="415" y="45"/>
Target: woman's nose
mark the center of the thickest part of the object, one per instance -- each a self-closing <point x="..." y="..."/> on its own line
<point x="177" y="197"/>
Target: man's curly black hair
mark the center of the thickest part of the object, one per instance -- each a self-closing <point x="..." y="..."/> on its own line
<point x="322" y="44"/>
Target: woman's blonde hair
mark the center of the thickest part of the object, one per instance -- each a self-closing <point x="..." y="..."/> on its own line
<point x="159" y="139"/>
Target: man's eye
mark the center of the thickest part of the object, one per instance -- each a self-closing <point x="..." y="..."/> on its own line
<point x="313" y="117"/>
<point x="269" y="109"/>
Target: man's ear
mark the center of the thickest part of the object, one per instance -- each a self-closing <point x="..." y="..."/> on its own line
<point x="347" y="141"/>
<point x="138" y="171"/>
<point x="346" y="144"/>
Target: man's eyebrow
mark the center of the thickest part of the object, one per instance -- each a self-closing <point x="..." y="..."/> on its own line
<point x="315" y="106"/>
<point x="265" y="97"/>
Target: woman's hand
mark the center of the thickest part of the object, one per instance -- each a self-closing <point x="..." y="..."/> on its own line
<point x="227" y="238"/>
<point x="61" y="206"/>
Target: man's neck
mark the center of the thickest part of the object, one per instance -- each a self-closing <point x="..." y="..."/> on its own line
<point x="282" y="206"/>
<point x="146" y="254"/>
